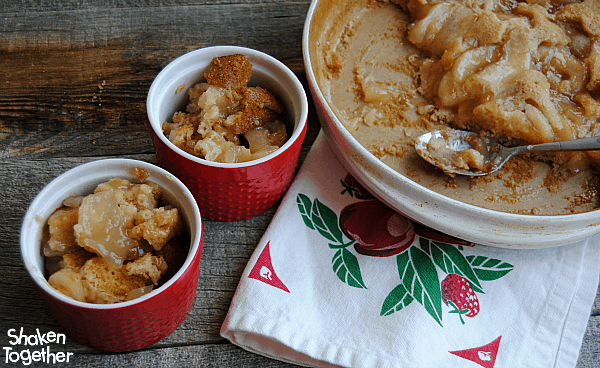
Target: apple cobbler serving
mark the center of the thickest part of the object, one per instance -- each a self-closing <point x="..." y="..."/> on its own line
<point x="114" y="245"/>
<point x="226" y="120"/>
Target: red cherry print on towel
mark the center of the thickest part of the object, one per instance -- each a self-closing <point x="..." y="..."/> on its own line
<point x="377" y="229"/>
<point x="457" y="292"/>
<point x="355" y="189"/>
<point x="432" y="234"/>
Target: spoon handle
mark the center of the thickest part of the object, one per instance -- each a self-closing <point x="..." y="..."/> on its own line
<point x="584" y="144"/>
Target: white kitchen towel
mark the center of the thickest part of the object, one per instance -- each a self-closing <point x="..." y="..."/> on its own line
<point x="339" y="279"/>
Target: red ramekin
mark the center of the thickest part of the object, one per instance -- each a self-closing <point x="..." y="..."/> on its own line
<point x="228" y="191"/>
<point x="127" y="325"/>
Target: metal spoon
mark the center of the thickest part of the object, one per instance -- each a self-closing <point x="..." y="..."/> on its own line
<point x="467" y="153"/>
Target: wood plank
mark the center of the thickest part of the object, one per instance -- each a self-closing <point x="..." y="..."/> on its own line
<point x="94" y="68"/>
<point x="161" y="32"/>
<point x="201" y="355"/>
<point x="589" y="354"/>
<point x="46" y="6"/>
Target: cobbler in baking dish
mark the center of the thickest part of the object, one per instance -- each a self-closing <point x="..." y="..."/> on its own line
<point x="521" y="72"/>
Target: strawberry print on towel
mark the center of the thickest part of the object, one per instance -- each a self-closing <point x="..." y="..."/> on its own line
<point x="431" y="266"/>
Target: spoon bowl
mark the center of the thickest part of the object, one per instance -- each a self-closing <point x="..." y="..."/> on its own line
<point x="467" y="153"/>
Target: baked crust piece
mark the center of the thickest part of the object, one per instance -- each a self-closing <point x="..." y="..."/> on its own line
<point x="259" y="107"/>
<point x="105" y="284"/>
<point x="231" y="71"/>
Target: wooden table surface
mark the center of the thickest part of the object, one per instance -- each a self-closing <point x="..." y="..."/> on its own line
<point x="73" y="82"/>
